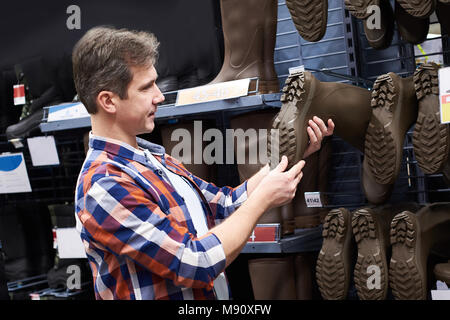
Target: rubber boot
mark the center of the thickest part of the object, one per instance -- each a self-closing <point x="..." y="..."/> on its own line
<point x="375" y="192"/>
<point x="442" y="272"/>
<point x="202" y="170"/>
<point x="378" y="37"/>
<point x="334" y="264"/>
<point x="394" y="105"/>
<point x="371" y="227"/>
<point x="431" y="139"/>
<point x="304" y="97"/>
<point x="413" y="236"/>
<point x="304" y="269"/>
<point x="413" y="30"/>
<point x="245" y="27"/>
<point x="269" y="83"/>
<point x="325" y="154"/>
<point x="443" y="12"/>
<point x="273" y="278"/>
<point x="256" y="120"/>
<point x="418" y="8"/>
<point x="310" y="18"/>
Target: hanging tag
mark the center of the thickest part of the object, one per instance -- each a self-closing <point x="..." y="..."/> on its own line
<point x="19" y="94"/>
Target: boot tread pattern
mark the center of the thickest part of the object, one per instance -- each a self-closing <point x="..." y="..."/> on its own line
<point x="404" y="275"/>
<point x="379" y="145"/>
<point x="330" y="272"/>
<point x="430" y="137"/>
<point x="358" y="8"/>
<point x="363" y="226"/>
<point x="307" y="17"/>
<point x="292" y="94"/>
<point x="417" y="8"/>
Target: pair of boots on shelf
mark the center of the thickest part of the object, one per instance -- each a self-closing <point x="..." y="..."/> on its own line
<point x="374" y="122"/>
<point x="404" y="235"/>
<point x="412" y="17"/>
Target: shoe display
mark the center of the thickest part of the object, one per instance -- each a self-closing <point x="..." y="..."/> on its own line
<point x="394" y="112"/>
<point x="412" y="238"/>
<point x="249" y="31"/>
<point x="304" y="97"/>
<point x="371" y="227"/>
<point x="310" y="18"/>
<point x="334" y="264"/>
<point x="412" y="29"/>
<point x="418" y="8"/>
<point x="431" y="138"/>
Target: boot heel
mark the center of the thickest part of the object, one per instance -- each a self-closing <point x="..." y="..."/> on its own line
<point x="331" y="267"/>
<point x="380" y="148"/>
<point x="405" y="276"/>
<point x="370" y="253"/>
<point x="309" y="17"/>
<point x="431" y="139"/>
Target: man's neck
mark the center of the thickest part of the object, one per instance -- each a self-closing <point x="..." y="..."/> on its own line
<point x="112" y="132"/>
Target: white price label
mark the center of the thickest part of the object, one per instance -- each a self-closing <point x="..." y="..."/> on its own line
<point x="313" y="200"/>
<point x="296" y="69"/>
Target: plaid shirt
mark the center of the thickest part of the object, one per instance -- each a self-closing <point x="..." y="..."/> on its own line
<point x="138" y="235"/>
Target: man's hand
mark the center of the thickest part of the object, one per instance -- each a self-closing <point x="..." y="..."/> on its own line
<point x="278" y="187"/>
<point x="317" y="130"/>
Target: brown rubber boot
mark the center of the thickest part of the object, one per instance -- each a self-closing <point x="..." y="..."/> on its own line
<point x="443" y="12"/>
<point x="304" y="269"/>
<point x="256" y="120"/>
<point x="378" y="37"/>
<point x="323" y="176"/>
<point x="413" y="30"/>
<point x="304" y="97"/>
<point x="201" y="170"/>
<point x="418" y="8"/>
<point x="273" y="278"/>
<point x="334" y="264"/>
<point x="310" y="18"/>
<point x="442" y="272"/>
<point x="246" y="26"/>
<point x="412" y="238"/>
<point x="269" y="83"/>
<point x="375" y="192"/>
<point x="394" y="105"/>
<point x="371" y="227"/>
<point x="431" y="139"/>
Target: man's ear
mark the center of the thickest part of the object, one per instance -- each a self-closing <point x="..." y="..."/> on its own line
<point x="107" y="101"/>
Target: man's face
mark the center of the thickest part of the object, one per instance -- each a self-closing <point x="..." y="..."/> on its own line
<point x="136" y="114"/>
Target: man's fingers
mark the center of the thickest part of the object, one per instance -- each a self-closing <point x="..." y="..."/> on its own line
<point x="312" y="136"/>
<point x="321" y="124"/>
<point x="282" y="165"/>
<point x="330" y="129"/>
<point x="316" y="129"/>
<point x="296" y="169"/>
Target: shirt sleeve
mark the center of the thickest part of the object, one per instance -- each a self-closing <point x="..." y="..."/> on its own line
<point x="222" y="200"/>
<point x="121" y="217"/>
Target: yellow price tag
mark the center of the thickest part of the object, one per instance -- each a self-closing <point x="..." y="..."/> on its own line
<point x="444" y="93"/>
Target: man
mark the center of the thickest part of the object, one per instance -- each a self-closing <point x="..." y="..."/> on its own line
<point x="151" y="229"/>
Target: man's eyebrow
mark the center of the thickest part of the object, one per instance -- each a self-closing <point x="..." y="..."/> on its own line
<point x="147" y="85"/>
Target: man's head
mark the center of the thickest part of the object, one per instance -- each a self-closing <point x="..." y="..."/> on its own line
<point x="103" y="60"/>
<point x="115" y="77"/>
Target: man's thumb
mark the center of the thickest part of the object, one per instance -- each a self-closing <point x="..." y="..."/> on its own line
<point x="282" y="165"/>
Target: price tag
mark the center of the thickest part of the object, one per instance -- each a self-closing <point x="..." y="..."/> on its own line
<point x="213" y="92"/>
<point x="444" y="94"/>
<point x="19" y="94"/>
<point x="296" y="69"/>
<point x="67" y="111"/>
<point x="265" y="232"/>
<point x="313" y="200"/>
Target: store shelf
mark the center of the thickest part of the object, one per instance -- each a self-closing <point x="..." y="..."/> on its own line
<point x="304" y="240"/>
<point x="165" y="112"/>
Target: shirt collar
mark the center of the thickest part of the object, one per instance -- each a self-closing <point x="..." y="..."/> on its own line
<point x="123" y="149"/>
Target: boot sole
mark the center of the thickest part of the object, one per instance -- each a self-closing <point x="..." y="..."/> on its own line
<point x="309" y="17"/>
<point x="380" y="148"/>
<point x="406" y="278"/>
<point x="359" y="8"/>
<point x="295" y="103"/>
<point x="418" y="8"/>
<point x="371" y="254"/>
<point x="431" y="139"/>
<point x="331" y="276"/>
